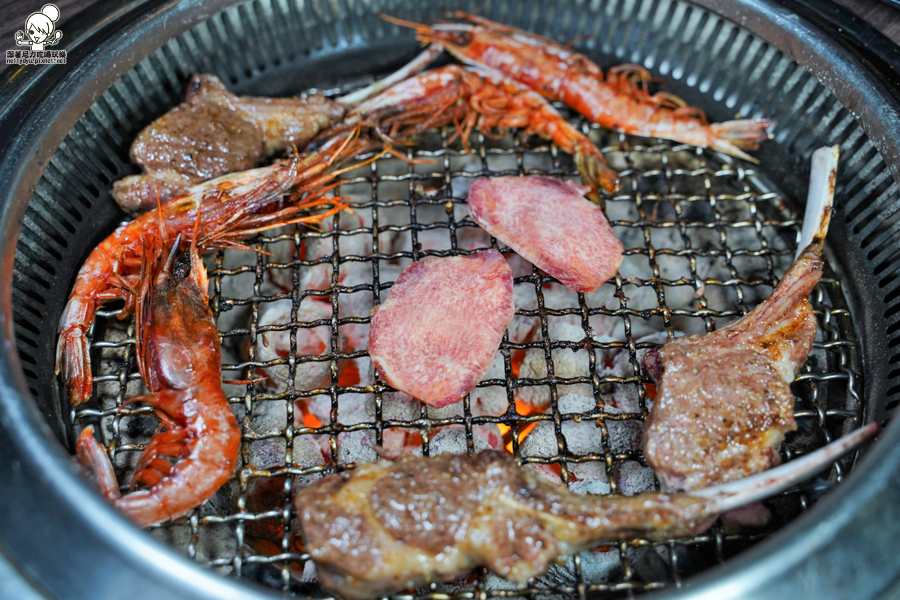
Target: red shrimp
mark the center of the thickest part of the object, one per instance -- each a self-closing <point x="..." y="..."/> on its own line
<point x="180" y="360"/>
<point x="620" y="100"/>
<point x="225" y="210"/>
<point x="477" y="98"/>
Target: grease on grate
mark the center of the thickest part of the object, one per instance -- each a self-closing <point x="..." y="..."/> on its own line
<point x="704" y="243"/>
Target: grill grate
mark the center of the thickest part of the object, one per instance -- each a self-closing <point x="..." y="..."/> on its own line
<point x="705" y="242"/>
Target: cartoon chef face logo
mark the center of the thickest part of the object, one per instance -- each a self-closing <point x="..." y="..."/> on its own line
<point x="40" y="29"/>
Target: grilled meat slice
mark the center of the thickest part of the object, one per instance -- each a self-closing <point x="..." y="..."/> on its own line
<point x="213" y="133"/>
<point x="724" y="401"/>
<point x="436" y="334"/>
<point x="393" y="525"/>
<point x="551" y="224"/>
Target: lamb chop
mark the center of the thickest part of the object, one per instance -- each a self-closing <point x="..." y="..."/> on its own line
<point x="724" y="401"/>
<point x="387" y="525"/>
<point x="213" y="133"/>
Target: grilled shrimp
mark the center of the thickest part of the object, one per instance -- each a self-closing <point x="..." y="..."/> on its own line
<point x="620" y="100"/>
<point x="181" y="362"/>
<point x="225" y="210"/>
<point x="477" y="98"/>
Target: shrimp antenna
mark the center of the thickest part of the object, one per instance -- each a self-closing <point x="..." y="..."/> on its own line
<point x="401" y="22"/>
<point x="162" y="221"/>
<point x="196" y="230"/>
<point x="357" y="131"/>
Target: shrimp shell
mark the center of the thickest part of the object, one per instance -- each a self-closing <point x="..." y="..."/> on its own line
<point x="180" y="359"/>
<point x="620" y="100"/>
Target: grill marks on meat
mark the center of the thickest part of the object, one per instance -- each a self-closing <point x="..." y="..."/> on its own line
<point x="213" y="133"/>
<point x="436" y="334"/>
<point x="394" y="525"/>
<point x="724" y="402"/>
<point x="551" y="224"/>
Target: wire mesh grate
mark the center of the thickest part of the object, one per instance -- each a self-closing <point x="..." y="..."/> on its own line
<point x="705" y="241"/>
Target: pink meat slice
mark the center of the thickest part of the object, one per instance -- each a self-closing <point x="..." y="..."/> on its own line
<point x="435" y="335"/>
<point x="551" y="224"/>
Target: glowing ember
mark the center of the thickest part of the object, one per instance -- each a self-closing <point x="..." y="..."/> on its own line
<point x="310" y="420"/>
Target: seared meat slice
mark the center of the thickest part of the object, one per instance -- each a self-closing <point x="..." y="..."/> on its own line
<point x="724" y="401"/>
<point x="387" y="526"/>
<point x="213" y="133"/>
<point x="436" y="334"/>
<point x="550" y="224"/>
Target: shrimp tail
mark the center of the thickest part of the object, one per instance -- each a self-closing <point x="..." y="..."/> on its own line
<point x="733" y="137"/>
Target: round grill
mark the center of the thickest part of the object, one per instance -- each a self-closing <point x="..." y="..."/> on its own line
<point x="705" y="242"/>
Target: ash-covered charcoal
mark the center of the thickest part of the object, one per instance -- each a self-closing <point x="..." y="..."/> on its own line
<point x="487" y="401"/>
<point x="400" y="441"/>
<point x="451" y="439"/>
<point x="522" y="328"/>
<point x="582" y="436"/>
<point x="356" y="447"/>
<point x="312" y="341"/>
<point x="267" y="416"/>
<point x="597" y="566"/>
<point x="567" y="364"/>
<point x="636" y="293"/>
<point x="354" y="239"/>
<point x="625" y="436"/>
<point x="397" y="441"/>
<point x="649" y="562"/>
<point x="625" y="397"/>
<point x="541" y="442"/>
<point x="356" y="372"/>
<point x="306" y="453"/>
<point x="633" y="478"/>
<point x="353" y="408"/>
<point x="236" y="280"/>
<point x="397" y="406"/>
<point x="589" y="478"/>
<point x="266" y="454"/>
<point x="427" y="240"/>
